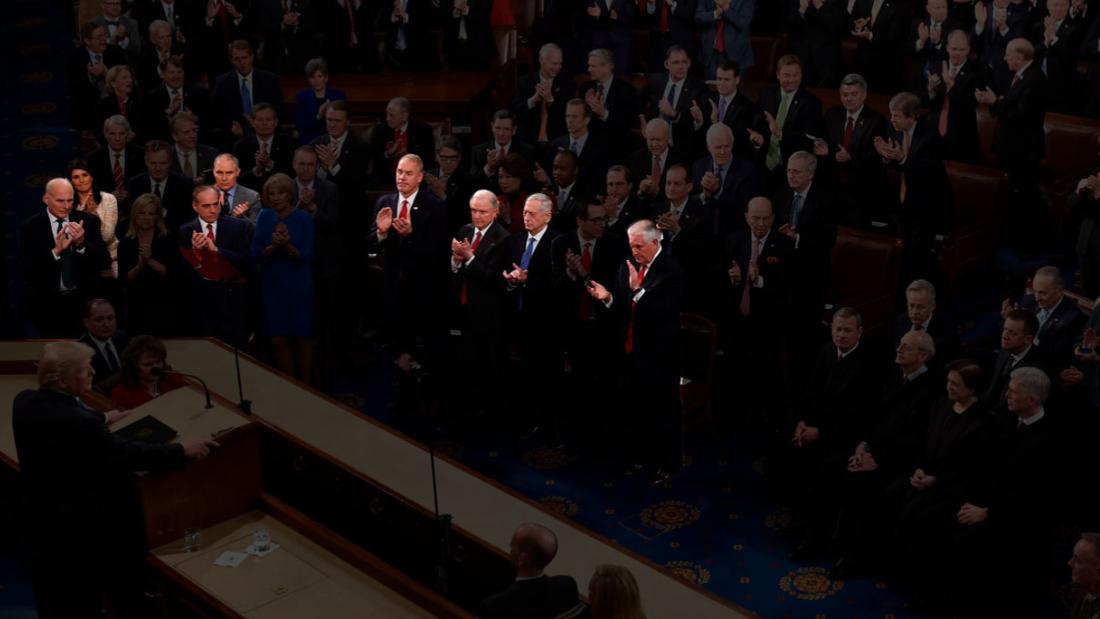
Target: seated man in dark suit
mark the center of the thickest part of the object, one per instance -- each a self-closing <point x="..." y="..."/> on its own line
<point x="592" y="150"/>
<point x="849" y="158"/>
<point x="670" y="96"/>
<point x="948" y="94"/>
<point x="1017" y="350"/>
<point x="534" y="595"/>
<point x="451" y="182"/>
<point x="265" y="152"/>
<point x="173" y="188"/>
<point x="237" y="91"/>
<point x="485" y="158"/>
<point x="688" y="234"/>
<point x="724" y="181"/>
<point x="1060" y="320"/>
<point x="728" y="106"/>
<point x="86" y="73"/>
<point x="920" y="315"/>
<point x="102" y="334"/>
<point x="539" y="104"/>
<point x="650" y="164"/>
<point x="613" y="102"/>
<point x="399" y="135"/>
<point x="216" y="247"/>
<point x="62" y="256"/>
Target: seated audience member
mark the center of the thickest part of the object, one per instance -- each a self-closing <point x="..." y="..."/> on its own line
<point x="451" y="182"/>
<point x="86" y="73"/>
<point x="193" y="160"/>
<point x="539" y="104"/>
<point x="727" y="105"/>
<point x="1060" y="320"/>
<point x="513" y="174"/>
<point x="921" y="315"/>
<point x="172" y="188"/>
<point x="669" y="96"/>
<point x="237" y="91"/>
<point x="613" y="594"/>
<point x="147" y="259"/>
<point x="266" y="151"/>
<point x="650" y="164"/>
<point x="724" y="182"/>
<point x="311" y="102"/>
<point x="891" y="445"/>
<point x="236" y="199"/>
<point x="399" y="135"/>
<point x="534" y="595"/>
<point x="831" y="407"/>
<point x="120" y="97"/>
<point x="282" y="249"/>
<point x="102" y="334"/>
<point x="101" y="204"/>
<point x="1082" y="597"/>
<point x="119" y="161"/>
<point x="591" y="149"/>
<point x="1017" y="350"/>
<point x="143" y="376"/>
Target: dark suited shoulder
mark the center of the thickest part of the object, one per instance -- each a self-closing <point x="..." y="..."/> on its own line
<point x="544" y="597"/>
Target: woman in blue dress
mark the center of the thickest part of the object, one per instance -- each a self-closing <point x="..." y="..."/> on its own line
<point x="282" y="247"/>
<point x="311" y="103"/>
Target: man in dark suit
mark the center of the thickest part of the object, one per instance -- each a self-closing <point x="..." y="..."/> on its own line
<point x="237" y="91"/>
<point x="1090" y="50"/>
<point x="623" y="208"/>
<point x="669" y="96"/>
<point x="539" y="104"/>
<point x="1017" y="350"/>
<point x="62" y="256"/>
<point x="122" y="30"/>
<point x="687" y="227"/>
<point x="290" y="33"/>
<point x="468" y="43"/>
<point x="881" y="27"/>
<point x="923" y="190"/>
<point x="949" y="96"/>
<point x="192" y="159"/>
<point x="921" y="315"/>
<point x="410" y="235"/>
<point x="534" y="595"/>
<point x="451" y="182"/>
<point x="1085" y="204"/>
<point x="173" y="188"/>
<point x="118" y="161"/>
<point x="1060" y="320"/>
<point x="150" y="61"/>
<point x="645" y="302"/>
<point x="399" y="135"/>
<point x="723" y="27"/>
<point x="755" y="277"/>
<point x="613" y="103"/>
<point x="217" y="249"/>
<point x="169" y="11"/>
<point x="342" y="156"/>
<point x="815" y="30"/>
<point x="805" y="214"/>
<point x="592" y="150"/>
<point x="671" y="22"/>
<point x="726" y="183"/>
<point x="1057" y="40"/>
<point x="172" y="94"/>
<point x="407" y="44"/>
<point x="728" y="106"/>
<point x="102" y="334"/>
<point x="479" y="254"/>
<point x="569" y="196"/>
<point x="606" y="25"/>
<point x="651" y="164"/>
<point x="77" y="476"/>
<point x="1019" y="139"/>
<point x="849" y="157"/>
<point x="996" y="22"/>
<point x="350" y="43"/>
<point x="531" y="307"/>
<point x="928" y="39"/>
<point x="485" y="158"/>
<point x="86" y="73"/>
<point x="786" y="114"/>
<point x="266" y="151"/>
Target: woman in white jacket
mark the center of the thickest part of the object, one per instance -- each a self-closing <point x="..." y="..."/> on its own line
<point x="99" y="203"/>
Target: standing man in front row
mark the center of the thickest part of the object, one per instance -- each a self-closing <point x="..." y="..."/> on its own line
<point x="81" y="517"/>
<point x="217" y="248"/>
<point x="646" y="300"/>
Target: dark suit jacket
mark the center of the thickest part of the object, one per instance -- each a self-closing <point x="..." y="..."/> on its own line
<point x="691" y="91"/>
<point x="962" y="141"/>
<point x="99" y="361"/>
<point x="460" y="187"/>
<point x="328" y="257"/>
<point x="742" y="183"/>
<point x="282" y="153"/>
<point x="816" y="234"/>
<point x="880" y="59"/>
<point x="175" y="197"/>
<point x="838" y="396"/>
<point x="930" y="54"/>
<point x="544" y="597"/>
<point x="42" y="272"/>
<point x="83" y="90"/>
<point x="862" y="179"/>
<point x="149" y="64"/>
<point x="691" y="248"/>
<point x="155" y="123"/>
<point x="1060" y="62"/>
<point x="957" y="448"/>
<point x="607" y="256"/>
<point x="941" y="328"/>
<point x="478" y="50"/>
<point x="204" y="161"/>
<point x="897" y="436"/>
<point x="641" y="166"/>
<point x="233" y="238"/>
<point x="1059" y="334"/>
<point x="102" y="165"/>
<point x="485" y="288"/>
<point x="630" y="212"/>
<point x="479" y="157"/>
<point x="421" y="142"/>
<point x="654" y="325"/>
<point x="928" y="197"/>
<point x="815" y="36"/>
<point x="771" y="301"/>
<point x="227" y="96"/>
<point x="537" y="293"/>
<point x="803" y="116"/>
<point x="623" y="108"/>
<point x="529" y="118"/>
<point x="1019" y="136"/>
<point x="740" y="116"/>
<point x="994" y="397"/>
<point x="353" y="164"/>
<point x="990" y="44"/>
<point x="420" y="259"/>
<point x="595" y="158"/>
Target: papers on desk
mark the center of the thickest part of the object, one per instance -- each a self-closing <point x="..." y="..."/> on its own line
<point x="232" y="558"/>
<point x="271" y="547"/>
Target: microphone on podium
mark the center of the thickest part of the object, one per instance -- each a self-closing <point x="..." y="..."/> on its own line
<point x="162" y="372"/>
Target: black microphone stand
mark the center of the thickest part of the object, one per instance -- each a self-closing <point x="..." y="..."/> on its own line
<point x="243" y="404"/>
<point x="206" y="390"/>
<point x="443" y="563"/>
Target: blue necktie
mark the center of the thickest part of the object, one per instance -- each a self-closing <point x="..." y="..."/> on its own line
<point x="526" y="259"/>
<point x="671" y="100"/>
<point x="246" y="98"/>
<point x="721" y="109"/>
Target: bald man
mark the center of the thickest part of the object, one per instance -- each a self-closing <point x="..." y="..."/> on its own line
<point x="62" y="255"/>
<point x="533" y="595"/>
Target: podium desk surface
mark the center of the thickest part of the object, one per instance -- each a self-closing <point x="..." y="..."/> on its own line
<point x="298" y="579"/>
<point x="184" y="411"/>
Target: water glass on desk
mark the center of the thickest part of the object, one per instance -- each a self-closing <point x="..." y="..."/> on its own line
<point x="192" y="540"/>
<point x="261" y="540"/>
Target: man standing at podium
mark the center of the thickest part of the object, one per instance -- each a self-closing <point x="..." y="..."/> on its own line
<point x="81" y="516"/>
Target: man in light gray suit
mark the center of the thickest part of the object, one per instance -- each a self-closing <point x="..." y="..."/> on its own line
<point x="122" y="31"/>
<point x="237" y="200"/>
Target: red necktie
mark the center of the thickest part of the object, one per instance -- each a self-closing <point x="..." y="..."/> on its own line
<point x="210" y="231"/>
<point x="662" y="23"/>
<point x="120" y="179"/>
<point x="945" y="108"/>
<point x="633" y="306"/>
<point x="473" y="248"/>
<point x="849" y="131"/>
<point x="586" y="262"/>
<point x="349" y="5"/>
<point x="656" y="173"/>
<point x="745" y="306"/>
<point x="404" y="213"/>
<point x="122" y="107"/>
<point x="719" y="37"/>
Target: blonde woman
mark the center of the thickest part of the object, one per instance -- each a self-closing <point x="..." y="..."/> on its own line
<point x="99" y="203"/>
<point x="613" y="594"/>
<point x="145" y="256"/>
